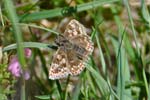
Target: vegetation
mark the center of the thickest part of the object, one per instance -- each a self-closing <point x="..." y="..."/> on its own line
<point x="118" y="69"/>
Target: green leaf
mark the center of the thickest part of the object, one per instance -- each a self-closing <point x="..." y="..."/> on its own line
<point x="145" y="12"/>
<point x="29" y="45"/>
<point x="9" y="6"/>
<point x="59" y="11"/>
<point x="102" y="84"/>
<point x="43" y="97"/>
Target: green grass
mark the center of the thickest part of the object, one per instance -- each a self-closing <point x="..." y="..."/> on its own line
<point x="59" y="11"/>
<point x="117" y="70"/>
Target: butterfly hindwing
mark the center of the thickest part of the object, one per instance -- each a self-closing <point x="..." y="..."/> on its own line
<point x="59" y="66"/>
<point x="85" y="42"/>
<point x="76" y="64"/>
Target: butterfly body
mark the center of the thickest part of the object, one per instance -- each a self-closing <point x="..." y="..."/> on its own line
<point x="66" y="45"/>
<point x="74" y="47"/>
<point x="63" y="43"/>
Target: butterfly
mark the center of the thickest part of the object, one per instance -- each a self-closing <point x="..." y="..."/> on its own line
<point x="74" y="48"/>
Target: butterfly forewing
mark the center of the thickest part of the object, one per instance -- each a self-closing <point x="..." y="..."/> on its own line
<point x="73" y="29"/>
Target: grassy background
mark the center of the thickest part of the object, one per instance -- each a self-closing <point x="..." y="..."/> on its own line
<point x="118" y="69"/>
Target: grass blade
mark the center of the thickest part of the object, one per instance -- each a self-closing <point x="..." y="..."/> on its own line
<point x="9" y="6"/>
<point x="16" y="29"/>
<point x="28" y="45"/>
<point x="58" y="11"/>
<point x="132" y="25"/>
<point x="145" y="12"/>
<point x="102" y="84"/>
<point x="101" y="55"/>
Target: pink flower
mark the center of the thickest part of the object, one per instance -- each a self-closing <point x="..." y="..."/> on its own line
<point x="15" y="68"/>
<point x="26" y="75"/>
<point x="28" y="52"/>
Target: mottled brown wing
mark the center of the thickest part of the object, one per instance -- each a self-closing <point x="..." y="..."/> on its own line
<point x="59" y="67"/>
<point x="85" y="42"/>
<point x="74" y="28"/>
<point x="76" y="65"/>
<point x="76" y="34"/>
